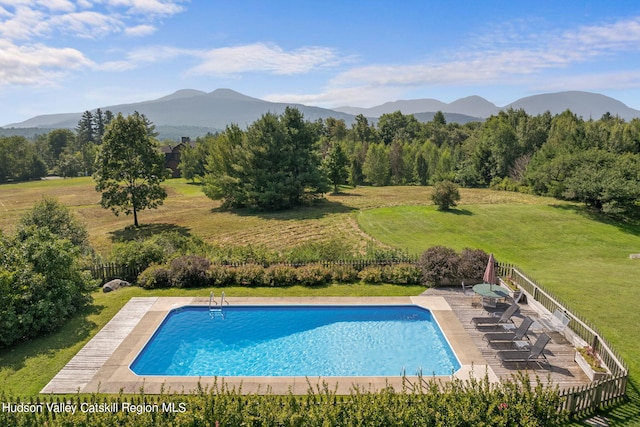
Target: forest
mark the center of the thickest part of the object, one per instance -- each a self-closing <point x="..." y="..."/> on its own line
<point x="593" y="161"/>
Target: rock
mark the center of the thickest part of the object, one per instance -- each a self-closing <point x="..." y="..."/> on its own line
<point x="114" y="284"/>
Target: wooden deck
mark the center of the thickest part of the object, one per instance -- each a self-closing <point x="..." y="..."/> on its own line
<point x="561" y="369"/>
<point x="88" y="361"/>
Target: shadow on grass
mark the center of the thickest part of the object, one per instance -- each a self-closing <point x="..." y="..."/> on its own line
<point x="626" y="413"/>
<point x="460" y="212"/>
<point x="75" y="330"/>
<point x="315" y="210"/>
<point x="628" y="224"/>
<point x="146" y="230"/>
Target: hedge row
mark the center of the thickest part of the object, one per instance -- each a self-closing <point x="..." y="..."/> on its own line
<point x="194" y="271"/>
<point x="430" y="403"/>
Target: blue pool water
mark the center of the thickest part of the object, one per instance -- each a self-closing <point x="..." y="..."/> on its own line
<point x="297" y="341"/>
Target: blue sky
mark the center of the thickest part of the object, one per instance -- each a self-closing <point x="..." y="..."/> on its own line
<point x="61" y="56"/>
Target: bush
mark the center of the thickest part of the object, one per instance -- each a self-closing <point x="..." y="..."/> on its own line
<point x="445" y="195"/>
<point x="190" y="272"/>
<point x="280" y="275"/>
<point x="438" y="264"/>
<point x="472" y="264"/>
<point x="371" y="274"/>
<point x="343" y="273"/>
<point x="401" y="274"/>
<point x="221" y="275"/>
<point x="155" y="277"/>
<point x="41" y="284"/>
<point x="516" y="402"/>
<point x="138" y="254"/>
<point x="313" y="275"/>
<point x="249" y="275"/>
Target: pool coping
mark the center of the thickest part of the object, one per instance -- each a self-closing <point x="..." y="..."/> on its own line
<point x="110" y="372"/>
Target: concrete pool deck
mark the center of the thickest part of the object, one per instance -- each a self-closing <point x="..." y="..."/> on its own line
<point x="103" y="364"/>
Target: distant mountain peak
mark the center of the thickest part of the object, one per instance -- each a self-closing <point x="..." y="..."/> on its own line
<point x="229" y="94"/>
<point x="182" y="93"/>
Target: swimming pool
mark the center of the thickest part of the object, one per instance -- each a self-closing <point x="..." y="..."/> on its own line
<point x="297" y="341"/>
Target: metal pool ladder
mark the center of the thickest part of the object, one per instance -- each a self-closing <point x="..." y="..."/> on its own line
<point x="216" y="309"/>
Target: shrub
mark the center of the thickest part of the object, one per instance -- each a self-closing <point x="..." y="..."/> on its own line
<point x="343" y="273"/>
<point x="438" y="264"/>
<point x="472" y="263"/>
<point x="138" y="254"/>
<point x="280" y="275"/>
<point x="221" y="275"/>
<point x="332" y="250"/>
<point x="41" y="284"/>
<point x="249" y="275"/>
<point x="190" y="272"/>
<point x="53" y="215"/>
<point x="313" y="275"/>
<point x="371" y="274"/>
<point x="401" y="274"/>
<point x="155" y="277"/>
<point x="445" y="195"/>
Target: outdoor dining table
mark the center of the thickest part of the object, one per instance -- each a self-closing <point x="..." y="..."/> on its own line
<point x="488" y="290"/>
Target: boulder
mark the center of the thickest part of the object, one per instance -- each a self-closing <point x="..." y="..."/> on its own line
<point x="114" y="284"/>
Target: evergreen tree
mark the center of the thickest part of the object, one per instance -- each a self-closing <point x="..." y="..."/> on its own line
<point x="273" y="165"/>
<point x="335" y="165"/>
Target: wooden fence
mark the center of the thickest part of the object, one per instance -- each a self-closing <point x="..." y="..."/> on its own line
<point x="598" y="394"/>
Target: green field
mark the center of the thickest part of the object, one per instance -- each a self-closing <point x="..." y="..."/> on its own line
<point x="581" y="257"/>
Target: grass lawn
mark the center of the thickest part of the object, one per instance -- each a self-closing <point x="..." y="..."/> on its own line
<point x="582" y="258"/>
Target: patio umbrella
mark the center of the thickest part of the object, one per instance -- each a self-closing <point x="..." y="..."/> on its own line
<point x="490" y="271"/>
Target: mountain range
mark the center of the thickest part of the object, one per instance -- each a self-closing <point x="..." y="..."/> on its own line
<point x="193" y="112"/>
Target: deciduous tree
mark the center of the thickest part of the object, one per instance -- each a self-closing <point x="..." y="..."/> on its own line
<point x="130" y="167"/>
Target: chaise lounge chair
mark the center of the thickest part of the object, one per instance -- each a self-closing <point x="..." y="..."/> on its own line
<point x="516" y="335"/>
<point x="495" y="320"/>
<point x="519" y="356"/>
<point x="555" y="323"/>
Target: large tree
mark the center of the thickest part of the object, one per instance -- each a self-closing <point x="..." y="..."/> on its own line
<point x="273" y="165"/>
<point x="130" y="167"/>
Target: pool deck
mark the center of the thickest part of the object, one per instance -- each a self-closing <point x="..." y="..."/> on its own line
<point x="103" y="364"/>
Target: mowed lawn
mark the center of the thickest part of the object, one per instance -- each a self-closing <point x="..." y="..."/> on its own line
<point x="582" y="258"/>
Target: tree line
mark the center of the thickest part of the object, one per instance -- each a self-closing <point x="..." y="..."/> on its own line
<point x="594" y="161"/>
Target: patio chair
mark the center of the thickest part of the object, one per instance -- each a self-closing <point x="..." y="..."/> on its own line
<point x="496" y="319"/>
<point x="515" y="335"/>
<point x="534" y="353"/>
<point x="467" y="290"/>
<point x="555" y="323"/>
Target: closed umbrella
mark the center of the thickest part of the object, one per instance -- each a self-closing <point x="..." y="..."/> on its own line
<point x="490" y="272"/>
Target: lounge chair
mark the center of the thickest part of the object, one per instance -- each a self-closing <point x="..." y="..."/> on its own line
<point x="515" y="335"/>
<point x="556" y="323"/>
<point x="496" y="320"/>
<point x="518" y="356"/>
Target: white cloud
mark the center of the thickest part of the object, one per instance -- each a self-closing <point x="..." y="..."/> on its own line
<point x="338" y="97"/>
<point x="261" y="57"/>
<point x="88" y="24"/>
<point x="154" y="7"/>
<point x="503" y="62"/>
<point x="37" y="64"/>
<point x="30" y="19"/>
<point x="140" y="30"/>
